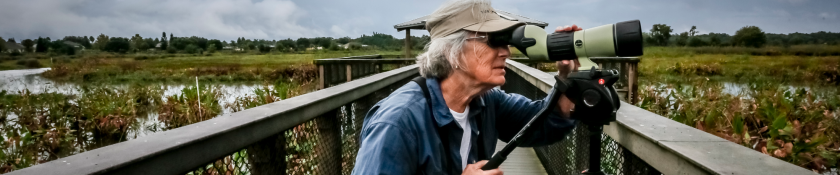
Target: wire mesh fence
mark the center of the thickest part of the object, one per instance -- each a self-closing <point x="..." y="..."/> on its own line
<point x="327" y="144"/>
<point x="571" y="155"/>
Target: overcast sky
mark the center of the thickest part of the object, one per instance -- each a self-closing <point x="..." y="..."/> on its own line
<point x="280" y="19"/>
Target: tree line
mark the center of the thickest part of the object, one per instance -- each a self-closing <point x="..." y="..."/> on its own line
<point x="195" y="44"/>
<point x="748" y="36"/>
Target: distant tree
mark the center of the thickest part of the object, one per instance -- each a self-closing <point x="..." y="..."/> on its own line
<point x="280" y="47"/>
<point x="101" y="41"/>
<point x="211" y="48"/>
<point x="42" y="45"/>
<point x="343" y="40"/>
<point x="118" y="44"/>
<point x="164" y="45"/>
<point x="163" y="36"/>
<point x="27" y="45"/>
<point x="682" y="39"/>
<point x="303" y="43"/>
<point x="288" y="44"/>
<point x="692" y="31"/>
<point x="2" y="45"/>
<point x="264" y="48"/>
<point x="750" y="36"/>
<point x="11" y="40"/>
<point x="192" y="49"/>
<point x="215" y="43"/>
<point x="150" y="43"/>
<point x="91" y="39"/>
<point x="138" y="43"/>
<point x="660" y="33"/>
<point x="696" y="42"/>
<point x="354" y="46"/>
<point x="58" y="46"/>
<point x="323" y="42"/>
<point x="334" y="46"/>
<point x="170" y="49"/>
<point x="714" y="40"/>
<point x="171" y="35"/>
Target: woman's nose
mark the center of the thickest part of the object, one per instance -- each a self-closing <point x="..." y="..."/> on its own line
<point x="504" y="52"/>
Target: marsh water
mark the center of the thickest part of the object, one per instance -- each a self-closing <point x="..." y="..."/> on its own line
<point x="15" y="81"/>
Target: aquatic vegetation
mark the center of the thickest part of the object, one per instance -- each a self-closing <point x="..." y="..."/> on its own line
<point x="194" y="104"/>
<point x="800" y="126"/>
<point x="42" y="129"/>
<point x="109" y="112"/>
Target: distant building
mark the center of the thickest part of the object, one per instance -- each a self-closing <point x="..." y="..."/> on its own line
<point x="12" y="46"/>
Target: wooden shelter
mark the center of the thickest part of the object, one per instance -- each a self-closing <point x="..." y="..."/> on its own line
<point x="420" y="23"/>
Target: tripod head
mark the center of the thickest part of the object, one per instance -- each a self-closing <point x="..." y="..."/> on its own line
<point x="596" y="101"/>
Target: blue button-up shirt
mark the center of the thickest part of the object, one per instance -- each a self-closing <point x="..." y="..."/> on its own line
<point x="401" y="136"/>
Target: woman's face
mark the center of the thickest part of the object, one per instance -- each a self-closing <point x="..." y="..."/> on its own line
<point x="484" y="64"/>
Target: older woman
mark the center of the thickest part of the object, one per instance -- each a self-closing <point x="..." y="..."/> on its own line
<point x="457" y="126"/>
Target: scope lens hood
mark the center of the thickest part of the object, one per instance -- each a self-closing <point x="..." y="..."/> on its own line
<point x="628" y="38"/>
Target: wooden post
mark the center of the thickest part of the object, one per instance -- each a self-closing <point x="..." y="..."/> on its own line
<point x="407" y="43"/>
<point x="632" y="83"/>
<point x="268" y="155"/>
<point x="349" y="72"/>
<point x="321" y="77"/>
<point x="328" y="148"/>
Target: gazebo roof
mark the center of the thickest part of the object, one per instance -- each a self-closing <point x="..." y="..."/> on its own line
<point x="420" y="23"/>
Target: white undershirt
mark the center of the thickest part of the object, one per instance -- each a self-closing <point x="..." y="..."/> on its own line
<point x="465" y="139"/>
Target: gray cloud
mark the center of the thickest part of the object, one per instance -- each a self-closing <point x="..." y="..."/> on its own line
<point x="280" y="19"/>
<point x="215" y="18"/>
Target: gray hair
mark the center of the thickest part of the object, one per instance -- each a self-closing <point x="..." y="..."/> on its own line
<point x="443" y="54"/>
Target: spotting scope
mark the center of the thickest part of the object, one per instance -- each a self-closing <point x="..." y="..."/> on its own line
<point x="623" y="39"/>
<point x="590" y="89"/>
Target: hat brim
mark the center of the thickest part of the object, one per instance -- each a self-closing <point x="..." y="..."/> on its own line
<point x="494" y="25"/>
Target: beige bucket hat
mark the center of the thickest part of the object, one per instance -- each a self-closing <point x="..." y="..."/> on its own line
<point x="468" y="20"/>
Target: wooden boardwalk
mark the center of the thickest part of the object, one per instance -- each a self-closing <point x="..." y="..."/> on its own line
<point x="521" y="161"/>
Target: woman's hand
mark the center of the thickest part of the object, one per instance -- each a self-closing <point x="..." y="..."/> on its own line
<point x="476" y="169"/>
<point x="567" y="28"/>
<point x="563" y="69"/>
<point x="566" y="66"/>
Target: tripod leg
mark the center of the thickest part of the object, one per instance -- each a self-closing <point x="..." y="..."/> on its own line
<point x="595" y="150"/>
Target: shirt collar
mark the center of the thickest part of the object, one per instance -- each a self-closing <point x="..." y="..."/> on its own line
<point x="441" y="111"/>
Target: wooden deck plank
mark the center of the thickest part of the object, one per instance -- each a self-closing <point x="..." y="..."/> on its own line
<point x="521" y="161"/>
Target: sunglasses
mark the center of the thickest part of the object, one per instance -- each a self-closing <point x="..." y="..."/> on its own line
<point x="494" y="40"/>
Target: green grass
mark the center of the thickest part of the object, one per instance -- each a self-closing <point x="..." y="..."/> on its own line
<point x="13" y="64"/>
<point x="675" y="64"/>
<point x="218" y="67"/>
<point x="798" y="50"/>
